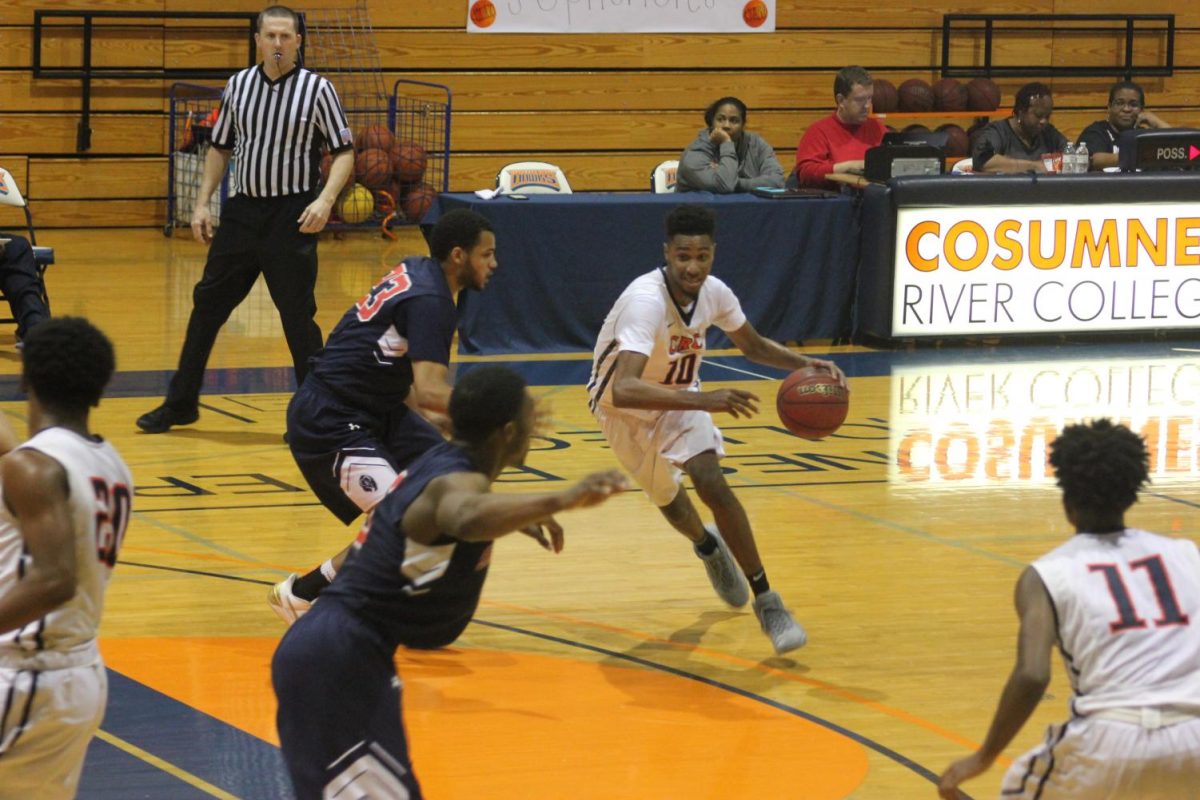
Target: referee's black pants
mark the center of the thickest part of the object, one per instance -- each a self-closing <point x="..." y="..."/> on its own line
<point x="22" y="284"/>
<point x="255" y="235"/>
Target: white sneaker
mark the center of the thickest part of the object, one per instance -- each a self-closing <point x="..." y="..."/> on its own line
<point x="777" y="623"/>
<point x="723" y="572"/>
<point x="286" y="605"/>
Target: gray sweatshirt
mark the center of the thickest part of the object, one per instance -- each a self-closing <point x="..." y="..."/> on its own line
<point x="705" y="168"/>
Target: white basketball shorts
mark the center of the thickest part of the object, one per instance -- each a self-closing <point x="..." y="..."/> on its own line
<point x="1090" y="758"/>
<point x="653" y="451"/>
<point x="49" y="717"/>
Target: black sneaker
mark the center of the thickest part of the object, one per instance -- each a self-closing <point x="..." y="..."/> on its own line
<point x="162" y="419"/>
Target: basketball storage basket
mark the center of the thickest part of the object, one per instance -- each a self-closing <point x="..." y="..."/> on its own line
<point x="401" y="158"/>
<point x="193" y="112"/>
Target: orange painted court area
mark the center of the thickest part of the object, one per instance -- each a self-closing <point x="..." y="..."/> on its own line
<point x="478" y="720"/>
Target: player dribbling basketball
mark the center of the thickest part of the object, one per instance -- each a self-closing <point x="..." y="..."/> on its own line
<point x="645" y="392"/>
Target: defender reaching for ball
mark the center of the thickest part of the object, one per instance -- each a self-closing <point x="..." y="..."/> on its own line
<point x="645" y="393"/>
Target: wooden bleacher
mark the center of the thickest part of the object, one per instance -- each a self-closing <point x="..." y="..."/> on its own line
<point x="607" y="108"/>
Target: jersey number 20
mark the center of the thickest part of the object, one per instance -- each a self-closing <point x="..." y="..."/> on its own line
<point x="112" y="515"/>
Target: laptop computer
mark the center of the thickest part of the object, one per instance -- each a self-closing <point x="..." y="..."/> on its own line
<point x="931" y="138"/>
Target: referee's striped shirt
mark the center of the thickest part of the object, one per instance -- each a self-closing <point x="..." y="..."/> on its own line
<point x="276" y="129"/>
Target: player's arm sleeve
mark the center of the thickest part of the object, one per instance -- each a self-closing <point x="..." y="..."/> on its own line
<point x="223" y="135"/>
<point x="638" y="325"/>
<point x="331" y="119"/>
<point x="428" y="323"/>
<point x="729" y="315"/>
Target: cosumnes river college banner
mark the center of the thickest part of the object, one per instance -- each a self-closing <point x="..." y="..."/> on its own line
<point x="620" y="16"/>
<point x="1046" y="269"/>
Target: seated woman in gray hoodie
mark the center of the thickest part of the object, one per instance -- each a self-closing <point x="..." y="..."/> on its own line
<point x="725" y="158"/>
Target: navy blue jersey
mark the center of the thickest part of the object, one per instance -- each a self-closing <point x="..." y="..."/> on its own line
<point x="408" y="316"/>
<point x="413" y="594"/>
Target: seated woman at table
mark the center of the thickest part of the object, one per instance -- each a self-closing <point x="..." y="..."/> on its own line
<point x="725" y="157"/>
<point x="1018" y="142"/>
<point x="1126" y="111"/>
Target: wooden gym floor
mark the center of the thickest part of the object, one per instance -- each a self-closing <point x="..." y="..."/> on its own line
<point x="610" y="670"/>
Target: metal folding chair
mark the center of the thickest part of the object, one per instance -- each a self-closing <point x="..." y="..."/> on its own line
<point x="10" y="195"/>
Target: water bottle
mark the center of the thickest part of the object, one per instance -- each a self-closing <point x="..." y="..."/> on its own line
<point x="1082" y="157"/>
<point x="1068" y="159"/>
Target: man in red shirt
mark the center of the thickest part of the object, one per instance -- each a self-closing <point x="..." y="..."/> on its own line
<point x="839" y="142"/>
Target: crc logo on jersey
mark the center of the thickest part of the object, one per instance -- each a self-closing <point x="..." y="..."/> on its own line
<point x="367" y="483"/>
<point x="686" y="344"/>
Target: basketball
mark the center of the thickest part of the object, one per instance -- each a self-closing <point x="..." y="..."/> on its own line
<point x="408" y="161"/>
<point x="811" y="403"/>
<point x="377" y="136"/>
<point x="916" y="95"/>
<point x="483" y="13"/>
<point x="957" y="143"/>
<point x="356" y="205"/>
<point x="373" y="168"/>
<point x="754" y="13"/>
<point x="418" y="201"/>
<point x="983" y="95"/>
<point x="916" y="127"/>
<point x="949" y="95"/>
<point x="884" y="99"/>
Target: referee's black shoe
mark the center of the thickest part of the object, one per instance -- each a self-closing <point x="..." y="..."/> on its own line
<point x="163" y="418"/>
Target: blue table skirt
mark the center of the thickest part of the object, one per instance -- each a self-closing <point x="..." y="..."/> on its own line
<point x="564" y="260"/>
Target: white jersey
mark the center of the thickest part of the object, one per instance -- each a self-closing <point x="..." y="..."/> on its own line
<point x="1128" y="610"/>
<point x="100" y="489"/>
<point x="647" y="320"/>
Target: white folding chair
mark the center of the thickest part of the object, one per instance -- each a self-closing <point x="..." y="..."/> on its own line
<point x="532" y="177"/>
<point x="662" y="178"/>
<point x="10" y="195"/>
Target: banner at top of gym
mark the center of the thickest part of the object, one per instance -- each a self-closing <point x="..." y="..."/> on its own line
<point x="620" y="16"/>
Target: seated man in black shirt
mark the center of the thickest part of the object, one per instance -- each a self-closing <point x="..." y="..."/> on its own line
<point x="1126" y="111"/>
<point x="1017" y="144"/>
<point x="22" y="283"/>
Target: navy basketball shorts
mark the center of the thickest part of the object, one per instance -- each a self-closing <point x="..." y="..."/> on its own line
<point x="339" y="718"/>
<point x="348" y="456"/>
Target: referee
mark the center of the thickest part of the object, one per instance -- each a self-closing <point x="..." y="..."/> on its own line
<point x="274" y="118"/>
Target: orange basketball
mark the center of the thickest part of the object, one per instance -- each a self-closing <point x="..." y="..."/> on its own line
<point x="811" y="403"/>
<point x="754" y="13"/>
<point x="483" y="13"/>
<point x="372" y="168"/>
<point x="408" y="161"/>
<point x="376" y="135"/>
<point x="418" y="201"/>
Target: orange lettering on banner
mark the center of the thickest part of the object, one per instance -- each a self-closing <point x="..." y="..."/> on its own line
<point x="1187" y="239"/>
<point x="966" y="228"/>
<point x="1000" y="445"/>
<point x="1154" y="246"/>
<point x="1086" y="239"/>
<point x="1059" y="243"/>
<point x="912" y="246"/>
<point x="1009" y="243"/>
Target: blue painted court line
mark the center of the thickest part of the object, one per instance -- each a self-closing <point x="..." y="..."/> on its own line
<point x="201" y="745"/>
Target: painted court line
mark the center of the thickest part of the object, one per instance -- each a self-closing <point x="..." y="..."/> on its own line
<point x="164" y="766"/>
<point x="749" y="695"/>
